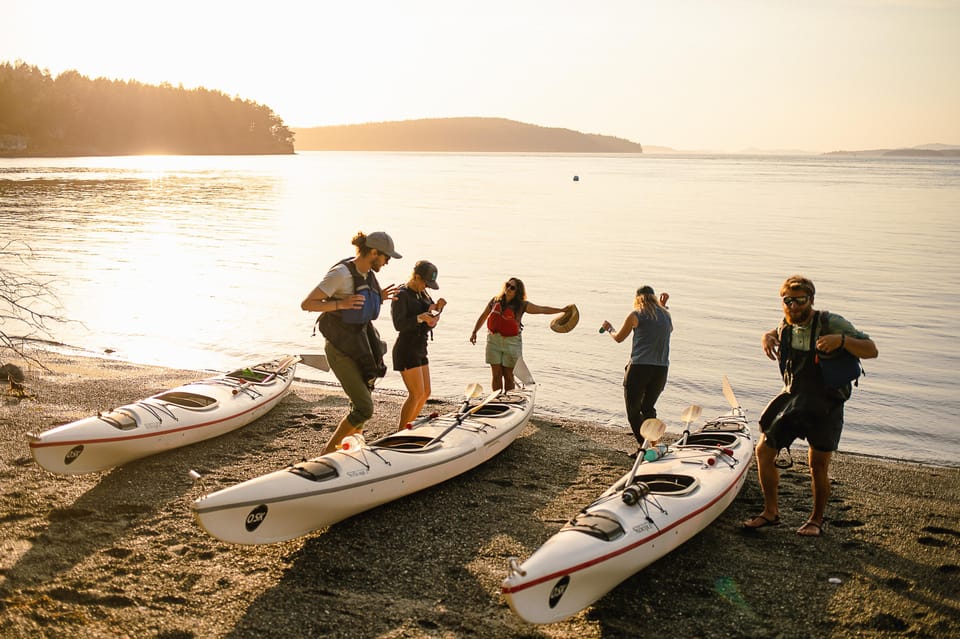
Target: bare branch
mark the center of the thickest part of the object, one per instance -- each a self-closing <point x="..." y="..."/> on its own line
<point x="27" y="304"/>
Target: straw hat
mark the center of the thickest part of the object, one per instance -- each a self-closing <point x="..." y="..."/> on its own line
<point x="566" y="322"/>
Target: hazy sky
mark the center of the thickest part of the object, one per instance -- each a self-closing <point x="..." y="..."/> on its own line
<point x="816" y="75"/>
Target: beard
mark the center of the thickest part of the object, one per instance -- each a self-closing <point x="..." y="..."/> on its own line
<point x="799" y="317"/>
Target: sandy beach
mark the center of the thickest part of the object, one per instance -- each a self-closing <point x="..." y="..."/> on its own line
<point x="118" y="554"/>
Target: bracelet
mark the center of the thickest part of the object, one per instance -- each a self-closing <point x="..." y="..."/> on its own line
<point x="843" y="339"/>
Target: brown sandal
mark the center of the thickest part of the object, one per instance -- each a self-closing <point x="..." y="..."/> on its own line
<point x="751" y="524"/>
<point x="810" y="528"/>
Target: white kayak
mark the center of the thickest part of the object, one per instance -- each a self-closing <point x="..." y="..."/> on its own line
<point x="180" y="416"/>
<point x="651" y="510"/>
<point x="310" y="495"/>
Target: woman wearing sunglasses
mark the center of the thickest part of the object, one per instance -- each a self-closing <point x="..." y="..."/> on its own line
<point x="503" y="315"/>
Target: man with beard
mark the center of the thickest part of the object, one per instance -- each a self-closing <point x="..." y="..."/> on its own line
<point x="349" y="299"/>
<point x="807" y="407"/>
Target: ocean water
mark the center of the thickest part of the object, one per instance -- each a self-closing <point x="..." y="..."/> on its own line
<point x="201" y="262"/>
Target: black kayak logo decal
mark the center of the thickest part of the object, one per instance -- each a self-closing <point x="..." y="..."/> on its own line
<point x="558" y="589"/>
<point x="256" y="517"/>
<point x="72" y="454"/>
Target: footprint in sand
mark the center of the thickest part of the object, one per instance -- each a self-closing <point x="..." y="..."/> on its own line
<point x="931" y="541"/>
<point x="898" y="584"/>
<point x="67" y="514"/>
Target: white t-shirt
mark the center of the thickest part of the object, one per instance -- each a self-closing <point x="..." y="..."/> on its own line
<point x="338" y="282"/>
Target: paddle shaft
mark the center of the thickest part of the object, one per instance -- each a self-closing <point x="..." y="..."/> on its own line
<point x="489" y="398"/>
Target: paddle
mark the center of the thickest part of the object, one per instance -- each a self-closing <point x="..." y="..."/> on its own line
<point x="471" y="392"/>
<point x="651" y="430"/>
<point x="728" y="394"/>
<point x="316" y="361"/>
<point x="460" y="417"/>
<point x="521" y="372"/>
<point x="689" y="414"/>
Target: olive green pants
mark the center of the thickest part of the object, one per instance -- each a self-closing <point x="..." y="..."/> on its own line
<point x="348" y="374"/>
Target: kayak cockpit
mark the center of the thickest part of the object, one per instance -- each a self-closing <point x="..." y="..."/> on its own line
<point x="249" y="375"/>
<point x="494" y="410"/>
<point x="404" y="442"/>
<point x="668" y="484"/>
<point x="184" y="399"/>
<point x="716" y="438"/>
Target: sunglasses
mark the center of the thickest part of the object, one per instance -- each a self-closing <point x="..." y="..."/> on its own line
<point x="510" y="286"/>
<point x="798" y="301"/>
<point x="386" y="258"/>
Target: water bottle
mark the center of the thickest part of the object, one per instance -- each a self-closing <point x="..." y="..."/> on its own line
<point x="352" y="443"/>
<point x="655" y="452"/>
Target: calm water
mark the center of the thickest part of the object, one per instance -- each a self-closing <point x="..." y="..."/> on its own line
<point x="202" y="262"/>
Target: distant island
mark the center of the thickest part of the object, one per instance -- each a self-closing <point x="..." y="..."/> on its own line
<point x="923" y="151"/>
<point x="465" y="134"/>
<point x="72" y="115"/>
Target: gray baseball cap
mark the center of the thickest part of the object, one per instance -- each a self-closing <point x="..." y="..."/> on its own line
<point x="383" y="243"/>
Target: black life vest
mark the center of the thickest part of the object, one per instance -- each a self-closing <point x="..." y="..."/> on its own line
<point x="812" y="370"/>
<point x="352" y="332"/>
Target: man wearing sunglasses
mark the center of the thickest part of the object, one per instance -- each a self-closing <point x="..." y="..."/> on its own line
<point x="807" y="408"/>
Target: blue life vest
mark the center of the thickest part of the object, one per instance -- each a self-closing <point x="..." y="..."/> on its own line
<point x="372" y="298"/>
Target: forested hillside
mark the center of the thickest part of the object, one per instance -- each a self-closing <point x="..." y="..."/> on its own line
<point x="73" y="115"/>
<point x="468" y="134"/>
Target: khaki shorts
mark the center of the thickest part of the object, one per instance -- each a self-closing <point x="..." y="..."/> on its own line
<point x="503" y="351"/>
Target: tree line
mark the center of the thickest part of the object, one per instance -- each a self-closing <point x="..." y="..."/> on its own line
<point x="73" y="115"/>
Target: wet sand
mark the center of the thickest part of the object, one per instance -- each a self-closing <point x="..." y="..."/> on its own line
<point x="118" y="554"/>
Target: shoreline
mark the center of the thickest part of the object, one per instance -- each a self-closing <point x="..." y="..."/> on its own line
<point x="98" y="360"/>
<point x="118" y="554"/>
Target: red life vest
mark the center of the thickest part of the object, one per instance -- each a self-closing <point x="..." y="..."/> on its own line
<point x="504" y="322"/>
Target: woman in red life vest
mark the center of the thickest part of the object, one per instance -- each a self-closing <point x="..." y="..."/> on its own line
<point x="503" y="315"/>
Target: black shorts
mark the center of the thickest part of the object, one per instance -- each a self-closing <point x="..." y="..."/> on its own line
<point x="819" y="420"/>
<point x="409" y="354"/>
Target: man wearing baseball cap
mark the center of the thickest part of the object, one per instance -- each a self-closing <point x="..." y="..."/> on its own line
<point x="348" y="300"/>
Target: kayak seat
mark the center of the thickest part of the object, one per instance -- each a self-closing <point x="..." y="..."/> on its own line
<point x="314" y="470"/>
<point x="665" y="484"/>
<point x="713" y="439"/>
<point x="596" y="524"/>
